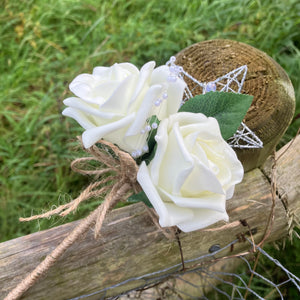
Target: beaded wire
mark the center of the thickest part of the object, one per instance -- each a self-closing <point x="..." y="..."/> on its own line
<point x="233" y="82"/>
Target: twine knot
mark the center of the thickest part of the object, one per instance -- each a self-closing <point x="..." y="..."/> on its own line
<point x="115" y="179"/>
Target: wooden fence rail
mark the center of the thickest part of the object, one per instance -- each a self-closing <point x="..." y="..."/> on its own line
<point x="131" y="245"/>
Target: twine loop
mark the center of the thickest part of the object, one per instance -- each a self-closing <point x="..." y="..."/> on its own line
<point x="116" y="179"/>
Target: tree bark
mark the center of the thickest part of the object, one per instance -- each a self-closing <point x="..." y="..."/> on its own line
<point x="131" y="245"/>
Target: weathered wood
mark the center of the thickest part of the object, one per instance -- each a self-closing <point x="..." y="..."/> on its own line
<point x="131" y="245"/>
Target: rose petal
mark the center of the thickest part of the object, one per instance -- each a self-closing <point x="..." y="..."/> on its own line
<point x="162" y="141"/>
<point x="201" y="126"/>
<point x="101" y="92"/>
<point x="201" y="219"/>
<point x="214" y="149"/>
<point x="177" y="164"/>
<point x="230" y="168"/>
<point x="78" y="116"/>
<point x="142" y="83"/>
<point x="131" y="68"/>
<point x="230" y="192"/>
<point x="191" y="144"/>
<point x="119" y="99"/>
<point x="144" y="111"/>
<point x="92" y="89"/>
<point x="78" y="104"/>
<point x="175" y="94"/>
<point x="143" y="178"/>
<point x="169" y="214"/>
<point x="237" y="170"/>
<point x="201" y="179"/>
<point x="117" y="72"/>
<point x="82" y="85"/>
<point x="208" y="201"/>
<point x="160" y="75"/>
<point x="175" y="215"/>
<point x="92" y="135"/>
<point x="101" y="72"/>
<point x="174" y="89"/>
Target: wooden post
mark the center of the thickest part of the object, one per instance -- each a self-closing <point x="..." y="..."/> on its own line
<point x="274" y="97"/>
<point x="131" y="245"/>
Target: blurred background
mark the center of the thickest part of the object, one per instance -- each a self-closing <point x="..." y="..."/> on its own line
<point x="45" y="44"/>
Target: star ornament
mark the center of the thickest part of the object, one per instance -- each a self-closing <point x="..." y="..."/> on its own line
<point x="244" y="137"/>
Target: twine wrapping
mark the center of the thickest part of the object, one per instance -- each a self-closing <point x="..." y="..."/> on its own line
<point x="119" y="183"/>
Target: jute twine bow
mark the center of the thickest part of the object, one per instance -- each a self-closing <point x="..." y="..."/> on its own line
<point x="118" y="184"/>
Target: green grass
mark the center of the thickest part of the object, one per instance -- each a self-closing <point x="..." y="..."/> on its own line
<point x="45" y="44"/>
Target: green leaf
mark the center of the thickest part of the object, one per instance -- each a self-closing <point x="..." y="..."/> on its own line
<point x="140" y="197"/>
<point x="228" y="108"/>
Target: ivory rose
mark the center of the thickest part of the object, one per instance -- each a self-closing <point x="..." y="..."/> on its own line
<point x="192" y="174"/>
<point x="115" y="102"/>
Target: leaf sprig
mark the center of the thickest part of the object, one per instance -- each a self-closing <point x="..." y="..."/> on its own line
<point x="228" y="108"/>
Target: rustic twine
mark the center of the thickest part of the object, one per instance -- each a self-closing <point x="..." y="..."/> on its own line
<point x="121" y="183"/>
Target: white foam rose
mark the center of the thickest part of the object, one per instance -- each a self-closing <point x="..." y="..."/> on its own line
<point x="114" y="102"/>
<point x="193" y="173"/>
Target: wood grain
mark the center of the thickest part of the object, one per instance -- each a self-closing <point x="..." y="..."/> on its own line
<point x="131" y="245"/>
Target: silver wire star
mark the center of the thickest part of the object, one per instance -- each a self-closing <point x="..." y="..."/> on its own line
<point x="233" y="82"/>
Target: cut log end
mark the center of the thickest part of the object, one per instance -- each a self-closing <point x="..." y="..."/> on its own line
<point x="273" y="105"/>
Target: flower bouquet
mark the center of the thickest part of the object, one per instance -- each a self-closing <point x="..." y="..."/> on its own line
<point x="159" y="141"/>
<point x="186" y="169"/>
